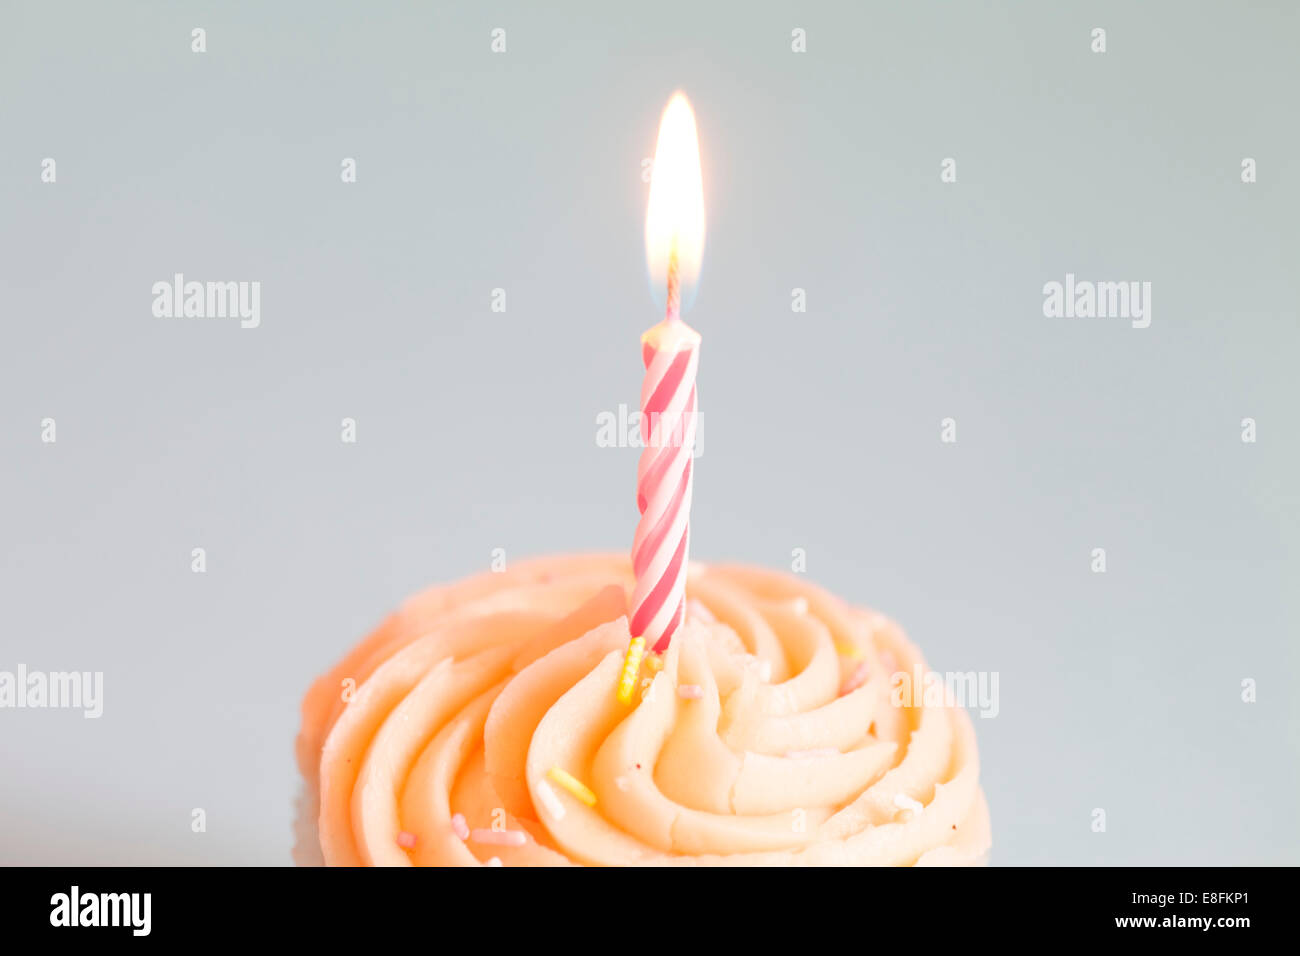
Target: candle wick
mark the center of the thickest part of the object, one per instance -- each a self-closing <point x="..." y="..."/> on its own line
<point x="674" y="310"/>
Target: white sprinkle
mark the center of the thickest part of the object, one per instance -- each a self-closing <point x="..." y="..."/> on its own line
<point x="800" y="605"/>
<point x="621" y="783"/>
<point x="904" y="802"/>
<point x="549" y="800"/>
<point x="495" y="861"/>
<point x="690" y="691"/>
<point x="762" y="668"/>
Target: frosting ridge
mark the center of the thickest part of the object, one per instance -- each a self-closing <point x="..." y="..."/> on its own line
<point x="767" y="735"/>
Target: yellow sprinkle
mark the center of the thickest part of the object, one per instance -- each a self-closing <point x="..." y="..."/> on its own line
<point x="851" y="651"/>
<point x="654" y="662"/>
<point x="631" y="667"/>
<point x="572" y="784"/>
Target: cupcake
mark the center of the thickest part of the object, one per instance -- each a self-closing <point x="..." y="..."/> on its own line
<point x="481" y="725"/>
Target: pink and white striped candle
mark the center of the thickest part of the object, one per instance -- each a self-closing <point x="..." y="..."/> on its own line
<point x="669" y="406"/>
<point x="671" y="352"/>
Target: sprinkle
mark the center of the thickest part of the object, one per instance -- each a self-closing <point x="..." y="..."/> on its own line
<point x="573" y="784"/>
<point x="810" y="754"/>
<point x="851" y="651"/>
<point x="499" y="837"/>
<point x="406" y="839"/>
<point x="549" y="800"/>
<point x="856" y="679"/>
<point x="495" y="861"/>
<point x="904" y="802"/>
<point x="763" y="668"/>
<point x="459" y="826"/>
<point x="621" y="782"/>
<point x="654" y="663"/>
<point x="690" y="691"/>
<point x="631" y="665"/>
<point x="799" y="605"/>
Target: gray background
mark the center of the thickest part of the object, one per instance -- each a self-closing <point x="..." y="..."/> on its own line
<point x="476" y="429"/>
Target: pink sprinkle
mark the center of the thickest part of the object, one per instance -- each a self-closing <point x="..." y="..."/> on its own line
<point x="499" y="837"/>
<point x="406" y="839"/>
<point x="459" y="826"/>
<point x="690" y="691"/>
<point x="810" y="754"/>
<point x="495" y="861"/>
<point x="856" y="679"/>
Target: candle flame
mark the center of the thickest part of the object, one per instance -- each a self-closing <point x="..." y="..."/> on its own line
<point x="674" y="219"/>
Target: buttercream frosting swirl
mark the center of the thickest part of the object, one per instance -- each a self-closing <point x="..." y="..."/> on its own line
<point x="769" y="735"/>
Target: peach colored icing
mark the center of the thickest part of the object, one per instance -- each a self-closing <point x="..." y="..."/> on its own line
<point x="462" y="701"/>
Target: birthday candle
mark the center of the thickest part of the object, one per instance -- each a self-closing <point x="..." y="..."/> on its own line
<point x="669" y="406"/>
